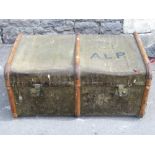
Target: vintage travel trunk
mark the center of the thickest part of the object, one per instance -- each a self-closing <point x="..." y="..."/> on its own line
<point x="88" y="75"/>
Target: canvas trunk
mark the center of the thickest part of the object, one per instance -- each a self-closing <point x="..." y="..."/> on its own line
<point x="88" y="75"/>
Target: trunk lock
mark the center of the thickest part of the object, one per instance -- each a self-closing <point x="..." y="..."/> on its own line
<point x="121" y="90"/>
<point x="36" y="90"/>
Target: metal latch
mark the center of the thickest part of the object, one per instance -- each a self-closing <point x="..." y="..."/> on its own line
<point x="121" y="90"/>
<point x="36" y="91"/>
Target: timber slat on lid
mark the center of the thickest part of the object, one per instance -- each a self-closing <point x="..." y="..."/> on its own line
<point x="77" y="76"/>
<point x="148" y="74"/>
<point x="7" y="76"/>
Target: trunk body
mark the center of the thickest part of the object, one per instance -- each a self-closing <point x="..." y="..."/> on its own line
<point x="111" y="75"/>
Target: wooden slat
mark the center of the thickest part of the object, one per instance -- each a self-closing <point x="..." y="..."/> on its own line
<point x="7" y="71"/>
<point x="77" y="76"/>
<point x="148" y="74"/>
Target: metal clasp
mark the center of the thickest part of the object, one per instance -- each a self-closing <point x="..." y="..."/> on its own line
<point x="121" y="90"/>
<point x="36" y="91"/>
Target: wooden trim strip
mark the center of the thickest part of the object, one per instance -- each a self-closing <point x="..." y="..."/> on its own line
<point x="7" y="72"/>
<point x="144" y="55"/>
<point x="14" y="48"/>
<point x="145" y="98"/>
<point x="77" y="76"/>
<point x="148" y="74"/>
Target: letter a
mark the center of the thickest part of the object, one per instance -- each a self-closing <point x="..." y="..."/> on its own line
<point x="95" y="55"/>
